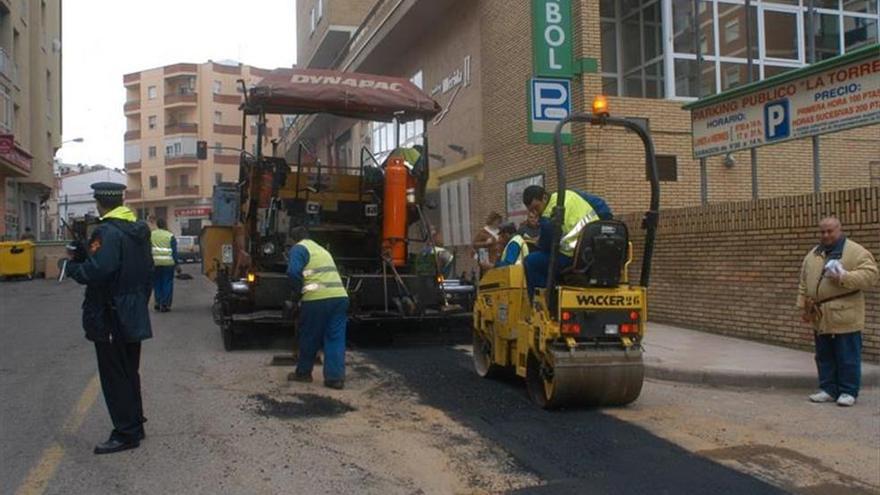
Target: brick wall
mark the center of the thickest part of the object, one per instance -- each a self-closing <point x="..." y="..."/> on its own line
<point x="732" y="268"/>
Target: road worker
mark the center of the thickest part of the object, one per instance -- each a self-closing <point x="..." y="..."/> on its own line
<point x="323" y="311"/>
<point x="164" y="250"/>
<point x="515" y="248"/>
<point x="580" y="209"/>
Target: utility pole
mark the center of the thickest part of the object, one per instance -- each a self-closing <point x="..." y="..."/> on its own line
<point x="704" y="179"/>
<point x="811" y="29"/>
<point x="753" y="152"/>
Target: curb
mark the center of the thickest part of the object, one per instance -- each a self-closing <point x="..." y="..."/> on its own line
<point x="659" y="370"/>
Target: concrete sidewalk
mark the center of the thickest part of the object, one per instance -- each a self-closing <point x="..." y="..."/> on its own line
<point x="681" y="355"/>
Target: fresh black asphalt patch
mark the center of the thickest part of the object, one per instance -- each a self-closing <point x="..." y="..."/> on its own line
<point x="302" y="406"/>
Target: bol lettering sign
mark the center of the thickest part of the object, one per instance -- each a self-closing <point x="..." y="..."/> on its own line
<point x="551" y="37"/>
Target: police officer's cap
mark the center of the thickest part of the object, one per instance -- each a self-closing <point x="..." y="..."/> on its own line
<point x="108" y="189"/>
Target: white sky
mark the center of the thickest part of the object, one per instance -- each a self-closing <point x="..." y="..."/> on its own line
<point x="104" y="39"/>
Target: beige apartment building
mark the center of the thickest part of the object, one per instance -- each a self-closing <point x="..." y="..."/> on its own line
<point x="30" y="113"/>
<point x="168" y="110"/>
<point x="475" y="57"/>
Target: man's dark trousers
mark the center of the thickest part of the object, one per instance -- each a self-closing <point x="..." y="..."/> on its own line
<point x="118" y="364"/>
<point x="839" y="361"/>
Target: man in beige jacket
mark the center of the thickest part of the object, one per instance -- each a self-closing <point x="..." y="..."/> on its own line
<point x="834" y="275"/>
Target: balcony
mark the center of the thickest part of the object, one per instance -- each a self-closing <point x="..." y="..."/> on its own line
<point x="181" y="128"/>
<point x="132" y="194"/>
<point x="227" y="129"/>
<point x="181" y="161"/>
<point x="181" y="69"/>
<point x="8" y="68"/>
<point x="132" y="79"/>
<point x="132" y="107"/>
<point x="181" y="190"/>
<point x="181" y="99"/>
<point x="334" y="39"/>
<point x="132" y="135"/>
<point x="226" y="159"/>
<point x="133" y="166"/>
<point x="227" y="99"/>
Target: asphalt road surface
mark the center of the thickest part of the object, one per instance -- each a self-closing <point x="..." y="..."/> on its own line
<point x="411" y="420"/>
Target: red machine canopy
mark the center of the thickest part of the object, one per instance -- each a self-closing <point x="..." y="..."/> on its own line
<point x="346" y="94"/>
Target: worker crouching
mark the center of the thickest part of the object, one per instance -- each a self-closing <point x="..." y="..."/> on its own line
<point x="322" y="312"/>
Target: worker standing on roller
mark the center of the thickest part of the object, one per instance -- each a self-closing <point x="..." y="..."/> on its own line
<point x="515" y="248"/>
<point x="323" y="309"/>
<point x="580" y="209"/>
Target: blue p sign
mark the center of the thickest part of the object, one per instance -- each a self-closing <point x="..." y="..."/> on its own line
<point x="776" y="120"/>
<point x="550" y="102"/>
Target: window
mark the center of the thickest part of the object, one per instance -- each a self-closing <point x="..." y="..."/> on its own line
<point x="632" y="48"/>
<point x="667" y="168"/>
<point x="218" y="148"/>
<point x="859" y="32"/>
<point x="151" y="93"/>
<point x="343" y="150"/>
<point x="312" y="21"/>
<point x="151" y="121"/>
<point x="218" y="117"/>
<point x="780" y="35"/>
<point x="731" y="30"/>
<point x="154" y="182"/>
<point x="385" y="134"/>
<point x="218" y="178"/>
<point x="152" y="152"/>
<point x="184" y="180"/>
<point x="218" y="87"/>
<point x="320" y="11"/>
<point x="455" y="212"/>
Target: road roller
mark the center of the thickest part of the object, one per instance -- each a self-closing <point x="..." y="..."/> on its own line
<point x="577" y="342"/>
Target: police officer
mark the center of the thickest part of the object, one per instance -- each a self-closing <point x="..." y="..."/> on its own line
<point x="323" y="309"/>
<point x="580" y="209"/>
<point x="115" y="267"/>
<point x="164" y="249"/>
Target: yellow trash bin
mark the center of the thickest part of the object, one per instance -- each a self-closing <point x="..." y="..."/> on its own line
<point x="17" y="259"/>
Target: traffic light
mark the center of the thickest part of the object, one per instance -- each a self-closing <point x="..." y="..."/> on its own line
<point x="202" y="150"/>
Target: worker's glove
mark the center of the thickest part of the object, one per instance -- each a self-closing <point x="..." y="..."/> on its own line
<point x="76" y="251"/>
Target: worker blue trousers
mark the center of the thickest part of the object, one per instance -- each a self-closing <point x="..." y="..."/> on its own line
<point x="536" y="266"/>
<point x="163" y="285"/>
<point x="322" y="324"/>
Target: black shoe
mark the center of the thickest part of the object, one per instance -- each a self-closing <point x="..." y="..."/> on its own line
<point x="141" y="435"/>
<point x="155" y="307"/>
<point x="335" y="384"/>
<point x="115" y="445"/>
<point x="296" y="377"/>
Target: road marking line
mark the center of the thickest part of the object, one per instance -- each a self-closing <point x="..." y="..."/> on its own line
<point x="39" y="476"/>
<point x="86" y="401"/>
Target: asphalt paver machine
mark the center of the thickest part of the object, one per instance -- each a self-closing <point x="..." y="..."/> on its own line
<point x="579" y="341"/>
<point x="371" y="217"/>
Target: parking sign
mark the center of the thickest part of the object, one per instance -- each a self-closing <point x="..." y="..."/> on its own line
<point x="549" y="102"/>
<point x="776" y="120"/>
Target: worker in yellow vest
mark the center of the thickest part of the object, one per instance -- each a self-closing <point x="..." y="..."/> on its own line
<point x="164" y="262"/>
<point x="323" y="312"/>
<point x="515" y="247"/>
<point x="580" y="209"/>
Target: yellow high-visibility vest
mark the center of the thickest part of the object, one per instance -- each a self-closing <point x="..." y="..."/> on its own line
<point x="523" y="248"/>
<point x="162" y="253"/>
<point x="321" y="279"/>
<point x="578" y="213"/>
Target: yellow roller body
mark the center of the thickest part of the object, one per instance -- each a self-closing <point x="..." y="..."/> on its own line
<point x="587" y="353"/>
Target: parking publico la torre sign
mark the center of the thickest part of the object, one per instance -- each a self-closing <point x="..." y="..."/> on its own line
<point x="833" y="95"/>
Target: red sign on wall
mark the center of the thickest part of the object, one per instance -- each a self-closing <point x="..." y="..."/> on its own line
<point x="203" y="211"/>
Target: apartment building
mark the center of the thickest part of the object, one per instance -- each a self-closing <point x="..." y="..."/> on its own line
<point x="30" y="113"/>
<point x="476" y="58"/>
<point x="168" y="109"/>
